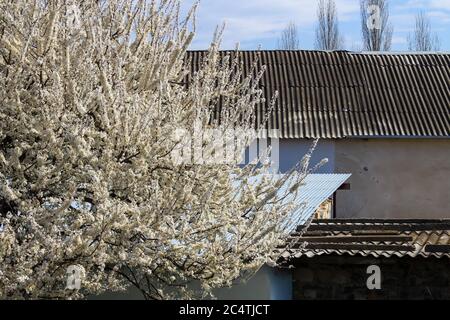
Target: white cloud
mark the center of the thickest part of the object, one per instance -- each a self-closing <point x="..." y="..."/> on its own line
<point x="439" y="16"/>
<point x="440" y="4"/>
<point x="254" y="22"/>
<point x="399" y="40"/>
<point x="423" y="4"/>
<point x="250" y="21"/>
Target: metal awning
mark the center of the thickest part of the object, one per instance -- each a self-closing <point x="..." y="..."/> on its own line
<point x="316" y="189"/>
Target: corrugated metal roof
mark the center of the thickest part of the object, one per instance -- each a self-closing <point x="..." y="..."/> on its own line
<point x="316" y="189"/>
<point x="370" y="237"/>
<point x="338" y="94"/>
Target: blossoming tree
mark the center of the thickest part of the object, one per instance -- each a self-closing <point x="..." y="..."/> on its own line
<point x="91" y="92"/>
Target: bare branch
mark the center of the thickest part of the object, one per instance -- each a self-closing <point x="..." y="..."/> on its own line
<point x="327" y="29"/>
<point x="423" y="39"/>
<point x="377" y="31"/>
<point x="289" y="39"/>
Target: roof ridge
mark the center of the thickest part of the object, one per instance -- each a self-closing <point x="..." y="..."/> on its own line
<point x="337" y="51"/>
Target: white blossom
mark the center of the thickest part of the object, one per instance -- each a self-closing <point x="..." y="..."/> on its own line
<point x="86" y="175"/>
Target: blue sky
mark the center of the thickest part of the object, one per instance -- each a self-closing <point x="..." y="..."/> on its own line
<point x="254" y="23"/>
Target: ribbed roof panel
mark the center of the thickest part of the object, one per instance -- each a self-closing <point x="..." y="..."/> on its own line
<point x="338" y="94"/>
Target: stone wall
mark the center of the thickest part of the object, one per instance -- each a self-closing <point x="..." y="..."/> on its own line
<point x="345" y="277"/>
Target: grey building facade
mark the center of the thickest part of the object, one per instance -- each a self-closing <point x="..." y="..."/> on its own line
<point x="391" y="178"/>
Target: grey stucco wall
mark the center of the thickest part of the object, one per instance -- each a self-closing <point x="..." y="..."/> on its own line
<point x="258" y="288"/>
<point x="394" y="178"/>
<point x="267" y="284"/>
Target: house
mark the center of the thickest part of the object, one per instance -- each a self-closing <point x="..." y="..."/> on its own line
<point x="383" y="117"/>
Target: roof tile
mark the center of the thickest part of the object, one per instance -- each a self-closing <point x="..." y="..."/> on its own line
<point x="369" y="237"/>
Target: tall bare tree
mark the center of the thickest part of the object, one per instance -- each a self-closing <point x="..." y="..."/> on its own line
<point x="376" y="29"/>
<point x="289" y="39"/>
<point x="327" y="30"/>
<point x="423" y="39"/>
